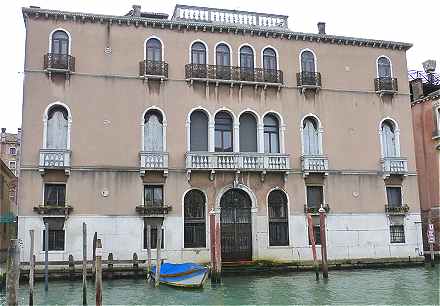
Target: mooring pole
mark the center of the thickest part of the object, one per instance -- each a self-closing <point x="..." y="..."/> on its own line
<point x="218" y="249"/>
<point x="98" y="276"/>
<point x="95" y="237"/>
<point x="158" y="246"/>
<point x="84" y="265"/>
<point x="148" y="250"/>
<point x="313" y="243"/>
<point x="323" y="242"/>
<point x="13" y="272"/>
<point x="31" y="268"/>
<point x="46" y="257"/>
<point x="212" y="235"/>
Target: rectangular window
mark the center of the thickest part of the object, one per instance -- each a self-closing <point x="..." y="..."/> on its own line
<point x="397" y="234"/>
<point x="12" y="164"/>
<point x="56" y="234"/>
<point x="394" y="196"/>
<point x="317" y="234"/>
<point x="153" y="235"/>
<point x="194" y="234"/>
<point x="315" y="196"/>
<point x="153" y="196"/>
<point x="12" y="151"/>
<point x="55" y="194"/>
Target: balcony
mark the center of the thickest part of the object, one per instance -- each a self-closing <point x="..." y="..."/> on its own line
<point x="58" y="159"/>
<point x="314" y="164"/>
<point x="396" y="210"/>
<point x="314" y="210"/>
<point x="153" y="70"/>
<point x="153" y="211"/>
<point x="385" y="86"/>
<point x="53" y="210"/>
<point x="308" y="81"/>
<point x="394" y="166"/>
<point x="213" y="161"/>
<point x="59" y="63"/>
<point x="234" y="75"/>
<point x="153" y="161"/>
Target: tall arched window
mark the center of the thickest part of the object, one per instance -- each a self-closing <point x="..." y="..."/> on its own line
<point x="153" y="131"/>
<point x="154" y="50"/>
<point x="310" y="136"/>
<point x="383" y="67"/>
<point x="60" y="43"/>
<point x="271" y="134"/>
<point x="57" y="128"/>
<point x="246" y="63"/>
<point x="223" y="132"/>
<point x="223" y="62"/>
<point x="198" y="53"/>
<point x="248" y="133"/>
<point x="389" y="144"/>
<point x="278" y="218"/>
<point x="269" y="59"/>
<point x="307" y="61"/>
<point x="199" y="131"/>
<point x="194" y="219"/>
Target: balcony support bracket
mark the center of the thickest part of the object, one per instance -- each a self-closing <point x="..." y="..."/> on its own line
<point x="263" y="175"/>
<point x="212" y="175"/>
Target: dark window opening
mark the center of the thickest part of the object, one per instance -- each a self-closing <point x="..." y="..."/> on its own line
<point x="307" y="62"/>
<point x="198" y="54"/>
<point x="55" y="194"/>
<point x="60" y="43"/>
<point x="315" y="196"/>
<point x="394" y="196"/>
<point x="199" y="131"/>
<point x="397" y="234"/>
<point x="223" y="132"/>
<point x="271" y="134"/>
<point x="154" y="50"/>
<point x="317" y="235"/>
<point x="56" y="234"/>
<point x="278" y="219"/>
<point x="153" y="238"/>
<point x="194" y="220"/>
<point x="153" y="196"/>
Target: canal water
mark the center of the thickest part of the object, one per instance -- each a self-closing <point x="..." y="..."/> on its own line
<point x="418" y="285"/>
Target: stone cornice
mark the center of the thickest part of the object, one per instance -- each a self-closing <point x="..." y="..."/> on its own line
<point x="211" y="27"/>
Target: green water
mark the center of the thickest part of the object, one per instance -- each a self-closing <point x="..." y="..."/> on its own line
<point x="419" y="285"/>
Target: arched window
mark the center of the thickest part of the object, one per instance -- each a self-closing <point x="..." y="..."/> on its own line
<point x="198" y="53"/>
<point x="60" y="43"/>
<point x="307" y="61"/>
<point x="153" y="131"/>
<point x="194" y="220"/>
<point x="223" y="55"/>
<point x="389" y="144"/>
<point x="248" y="133"/>
<point x="269" y="59"/>
<point x="310" y="136"/>
<point x="278" y="218"/>
<point x="383" y="67"/>
<point x="199" y="131"/>
<point x="57" y="128"/>
<point x="246" y="63"/>
<point x="223" y="132"/>
<point x="154" y="50"/>
<point x="271" y="134"/>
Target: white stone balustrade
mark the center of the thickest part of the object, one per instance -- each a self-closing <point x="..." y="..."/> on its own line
<point x="314" y="164"/>
<point x="394" y="165"/>
<point x="231" y="17"/>
<point x="54" y="159"/>
<point x="153" y="161"/>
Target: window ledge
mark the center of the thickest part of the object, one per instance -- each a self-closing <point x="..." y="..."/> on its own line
<point x="53" y="252"/>
<point x="195" y="249"/>
<point x="280" y="247"/>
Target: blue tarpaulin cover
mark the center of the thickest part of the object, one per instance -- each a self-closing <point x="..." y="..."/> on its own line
<point x="173" y="270"/>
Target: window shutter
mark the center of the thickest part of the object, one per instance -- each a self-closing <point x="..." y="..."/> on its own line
<point x="199" y="132"/>
<point x="248" y="133"/>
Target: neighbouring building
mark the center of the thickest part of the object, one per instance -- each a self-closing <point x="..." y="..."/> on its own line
<point x="7" y="215"/>
<point x="425" y="106"/>
<point x="10" y="149"/>
<point x="214" y="119"/>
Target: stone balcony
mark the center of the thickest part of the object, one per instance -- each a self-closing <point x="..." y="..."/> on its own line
<point x="314" y="164"/>
<point x="153" y="211"/>
<point x="153" y="161"/>
<point x="237" y="161"/>
<point x="55" y="159"/>
<point x="394" y="166"/>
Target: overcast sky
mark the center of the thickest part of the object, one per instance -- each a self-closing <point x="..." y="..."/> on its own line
<point x="415" y="22"/>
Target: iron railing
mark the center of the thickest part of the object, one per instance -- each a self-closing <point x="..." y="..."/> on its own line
<point x="399" y="210"/>
<point x="155" y="68"/>
<point x="152" y="210"/>
<point x="308" y="79"/>
<point x="64" y="62"/>
<point x="315" y="209"/>
<point x="385" y="85"/>
<point x="61" y="210"/>
<point x="233" y="73"/>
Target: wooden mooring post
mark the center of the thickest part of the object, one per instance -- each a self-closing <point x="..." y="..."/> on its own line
<point x="313" y="243"/>
<point x="95" y="237"/>
<point x="98" y="275"/>
<point x="46" y="257"/>
<point x="215" y="247"/>
<point x="71" y="267"/>
<point x="158" y="247"/>
<point x="148" y="250"/>
<point x="323" y="242"/>
<point x="13" y="272"/>
<point x="84" y="265"/>
<point x="31" y="268"/>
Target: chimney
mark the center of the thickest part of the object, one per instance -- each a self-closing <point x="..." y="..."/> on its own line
<point x="3" y="135"/>
<point x="417" y="89"/>
<point x="136" y="10"/>
<point x="321" y="28"/>
<point x="19" y="136"/>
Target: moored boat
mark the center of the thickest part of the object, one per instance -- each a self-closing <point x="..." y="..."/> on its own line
<point x="187" y="275"/>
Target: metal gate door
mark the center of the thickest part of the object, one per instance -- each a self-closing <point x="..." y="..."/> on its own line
<point x="236" y="226"/>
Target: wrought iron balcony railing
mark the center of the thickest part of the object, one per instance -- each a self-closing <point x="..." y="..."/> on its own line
<point x="54" y="62"/>
<point x="385" y="86"/>
<point x="153" y="69"/>
<point x="55" y="159"/>
<point x="147" y="210"/>
<point x="234" y="74"/>
<point x="153" y="161"/>
<point x="314" y="164"/>
<point x="53" y="210"/>
<point x="394" y="165"/>
<point x="396" y="210"/>
<point x="305" y="79"/>
<point x="315" y="209"/>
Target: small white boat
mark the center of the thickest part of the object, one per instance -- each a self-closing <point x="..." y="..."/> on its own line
<point x="186" y="275"/>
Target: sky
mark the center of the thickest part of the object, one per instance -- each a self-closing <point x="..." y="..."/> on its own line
<point x="415" y="22"/>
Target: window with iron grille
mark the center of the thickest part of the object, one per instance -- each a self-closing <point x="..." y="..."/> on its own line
<point x="314" y="196"/>
<point x="278" y="219"/>
<point x="397" y="234"/>
<point x="12" y="151"/>
<point x="153" y="196"/>
<point x="56" y="234"/>
<point x="394" y="196"/>
<point x="55" y="194"/>
<point x="194" y="220"/>
<point x="153" y="238"/>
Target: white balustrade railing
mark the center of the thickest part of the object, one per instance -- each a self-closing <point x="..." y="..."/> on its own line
<point x="395" y="165"/>
<point x="54" y="158"/>
<point x="153" y="160"/>
<point x="234" y="17"/>
<point x="237" y="161"/>
<point x="314" y="163"/>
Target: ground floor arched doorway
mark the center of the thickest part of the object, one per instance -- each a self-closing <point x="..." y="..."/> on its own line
<point x="236" y="225"/>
